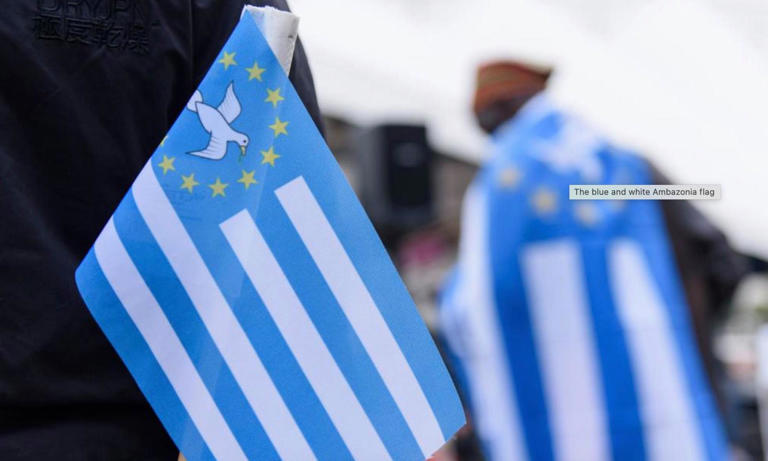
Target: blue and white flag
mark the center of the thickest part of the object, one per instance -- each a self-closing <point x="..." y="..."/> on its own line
<point x="566" y="320"/>
<point x="248" y="294"/>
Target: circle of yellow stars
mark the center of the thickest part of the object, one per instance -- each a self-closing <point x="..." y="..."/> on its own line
<point x="545" y="203"/>
<point x="247" y="178"/>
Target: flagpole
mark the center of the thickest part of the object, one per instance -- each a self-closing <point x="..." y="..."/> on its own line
<point x="280" y="28"/>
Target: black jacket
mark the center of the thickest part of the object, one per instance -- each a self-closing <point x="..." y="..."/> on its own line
<point x="88" y="88"/>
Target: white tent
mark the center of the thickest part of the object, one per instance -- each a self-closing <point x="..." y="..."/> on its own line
<point x="682" y="81"/>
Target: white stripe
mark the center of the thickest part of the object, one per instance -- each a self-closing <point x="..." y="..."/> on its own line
<point x="562" y="326"/>
<point x="303" y="339"/>
<point x="226" y="331"/>
<point x="665" y="405"/>
<point x="170" y="354"/>
<point x="356" y="302"/>
<point x="491" y="382"/>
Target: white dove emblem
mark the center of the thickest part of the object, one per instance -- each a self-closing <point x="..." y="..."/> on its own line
<point x="216" y="121"/>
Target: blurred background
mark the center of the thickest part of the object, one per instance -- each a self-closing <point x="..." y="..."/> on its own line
<point x="683" y="82"/>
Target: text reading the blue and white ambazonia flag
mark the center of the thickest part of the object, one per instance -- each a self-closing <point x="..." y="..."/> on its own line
<point x="644" y="192"/>
<point x="248" y="294"/>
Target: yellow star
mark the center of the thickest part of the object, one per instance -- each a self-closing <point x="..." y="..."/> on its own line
<point x="218" y="188"/>
<point x="255" y="71"/>
<point x="188" y="182"/>
<point x="165" y="138"/>
<point x="618" y="205"/>
<point x="587" y="214"/>
<point x="544" y="201"/>
<point x="279" y="127"/>
<point x="274" y="97"/>
<point x="228" y="60"/>
<point x="167" y="164"/>
<point x="269" y="156"/>
<point x="247" y="179"/>
<point x="509" y="178"/>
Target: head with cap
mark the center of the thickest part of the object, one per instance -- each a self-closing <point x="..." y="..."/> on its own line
<point x="503" y="87"/>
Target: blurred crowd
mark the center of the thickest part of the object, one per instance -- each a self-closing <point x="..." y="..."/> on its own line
<point x="599" y="325"/>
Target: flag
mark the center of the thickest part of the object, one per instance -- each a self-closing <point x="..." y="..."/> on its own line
<point x="565" y="320"/>
<point x="248" y="294"/>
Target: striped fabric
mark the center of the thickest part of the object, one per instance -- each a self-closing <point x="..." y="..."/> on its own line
<point x="249" y="295"/>
<point x="565" y="320"/>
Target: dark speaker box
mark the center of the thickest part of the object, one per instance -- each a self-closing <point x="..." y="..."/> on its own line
<point x="395" y="175"/>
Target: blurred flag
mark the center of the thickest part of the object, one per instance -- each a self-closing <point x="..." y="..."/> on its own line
<point x="242" y="284"/>
<point x="566" y="319"/>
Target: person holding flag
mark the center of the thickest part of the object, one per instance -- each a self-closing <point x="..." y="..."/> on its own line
<point x="573" y="325"/>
